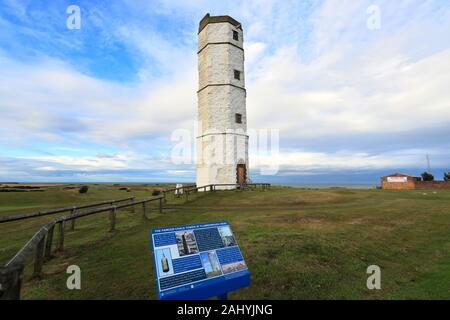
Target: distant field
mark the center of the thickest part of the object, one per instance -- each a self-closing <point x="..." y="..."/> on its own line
<point x="298" y="243"/>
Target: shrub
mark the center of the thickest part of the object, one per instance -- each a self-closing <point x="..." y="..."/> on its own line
<point x="83" y="189"/>
<point x="447" y="176"/>
<point x="427" y="176"/>
<point x="156" y="192"/>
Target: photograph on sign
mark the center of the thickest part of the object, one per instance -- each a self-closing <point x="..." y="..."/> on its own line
<point x="211" y="264"/>
<point x="197" y="261"/>
<point x="227" y="236"/>
<point x="186" y="243"/>
<point x="164" y="261"/>
<point x="232" y="267"/>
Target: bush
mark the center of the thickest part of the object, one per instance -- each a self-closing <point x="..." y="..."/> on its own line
<point x="427" y="176"/>
<point x="447" y="176"/>
<point x="156" y="192"/>
<point x="83" y="189"/>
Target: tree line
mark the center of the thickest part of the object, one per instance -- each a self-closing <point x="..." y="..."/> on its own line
<point x="426" y="176"/>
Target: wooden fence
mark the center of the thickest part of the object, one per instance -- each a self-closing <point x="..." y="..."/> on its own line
<point x="72" y="209"/>
<point x="186" y="190"/>
<point x="42" y="242"/>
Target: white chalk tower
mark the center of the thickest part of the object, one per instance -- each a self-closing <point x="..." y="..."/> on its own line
<point x="222" y="142"/>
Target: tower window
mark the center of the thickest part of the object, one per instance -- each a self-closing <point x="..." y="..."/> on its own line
<point x="238" y="118"/>
<point x="237" y="75"/>
<point x="235" y="35"/>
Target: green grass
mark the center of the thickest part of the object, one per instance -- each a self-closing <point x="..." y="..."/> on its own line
<point x="298" y="243"/>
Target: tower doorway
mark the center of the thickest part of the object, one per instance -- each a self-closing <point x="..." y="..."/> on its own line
<point x="241" y="174"/>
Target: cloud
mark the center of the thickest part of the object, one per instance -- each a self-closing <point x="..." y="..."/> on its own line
<point x="343" y="96"/>
<point x="356" y="81"/>
<point x="52" y="99"/>
<point x="304" y="162"/>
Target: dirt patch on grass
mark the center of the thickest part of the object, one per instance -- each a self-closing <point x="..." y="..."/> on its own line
<point x="358" y="221"/>
<point x="51" y="269"/>
<point x="296" y="220"/>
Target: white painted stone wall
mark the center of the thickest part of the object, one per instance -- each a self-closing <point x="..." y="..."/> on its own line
<point x="217" y="63"/>
<point x="222" y="143"/>
<point x="219" y="32"/>
<point x="218" y="106"/>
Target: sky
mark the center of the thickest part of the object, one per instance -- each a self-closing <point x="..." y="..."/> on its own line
<point x="355" y="89"/>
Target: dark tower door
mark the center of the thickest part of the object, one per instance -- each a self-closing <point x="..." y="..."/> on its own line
<point x="241" y="174"/>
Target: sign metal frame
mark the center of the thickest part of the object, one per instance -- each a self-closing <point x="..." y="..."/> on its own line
<point x="198" y="261"/>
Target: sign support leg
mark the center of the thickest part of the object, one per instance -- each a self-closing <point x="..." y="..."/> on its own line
<point x="223" y="296"/>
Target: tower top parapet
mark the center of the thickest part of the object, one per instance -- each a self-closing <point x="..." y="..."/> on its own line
<point x="207" y="19"/>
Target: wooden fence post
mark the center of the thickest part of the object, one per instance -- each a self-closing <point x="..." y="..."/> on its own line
<point x="112" y="218"/>
<point x="144" y="209"/>
<point x="10" y="282"/>
<point x="164" y="195"/>
<point x="72" y="226"/>
<point x="39" y="258"/>
<point x="48" y="242"/>
<point x="61" y="235"/>
<point x="160" y="205"/>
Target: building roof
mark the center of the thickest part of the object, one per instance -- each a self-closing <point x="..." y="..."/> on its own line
<point x="217" y="19"/>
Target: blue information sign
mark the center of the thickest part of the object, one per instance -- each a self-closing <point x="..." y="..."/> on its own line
<point x="197" y="261"/>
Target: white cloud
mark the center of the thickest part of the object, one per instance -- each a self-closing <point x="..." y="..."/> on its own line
<point x="43" y="101"/>
<point x="353" y="84"/>
<point x="305" y="162"/>
<point x="317" y="75"/>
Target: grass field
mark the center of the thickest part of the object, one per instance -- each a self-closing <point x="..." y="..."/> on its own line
<point x="298" y="243"/>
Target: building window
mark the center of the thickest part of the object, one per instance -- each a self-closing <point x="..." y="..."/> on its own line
<point x="238" y="118"/>
<point x="235" y="35"/>
<point x="237" y="75"/>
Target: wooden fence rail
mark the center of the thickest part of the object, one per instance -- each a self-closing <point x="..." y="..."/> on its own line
<point x="22" y="216"/>
<point x="42" y="241"/>
<point x="212" y="187"/>
<point x="176" y="190"/>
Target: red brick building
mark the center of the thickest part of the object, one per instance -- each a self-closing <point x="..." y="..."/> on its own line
<point x="398" y="181"/>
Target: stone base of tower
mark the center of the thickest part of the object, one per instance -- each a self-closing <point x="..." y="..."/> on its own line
<point x="223" y="174"/>
<point x="222" y="159"/>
